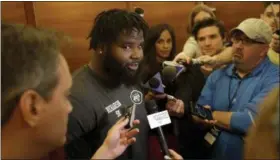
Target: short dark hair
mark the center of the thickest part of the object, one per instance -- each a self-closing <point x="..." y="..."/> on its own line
<point x="108" y="25"/>
<point x="150" y="50"/>
<point x="208" y="23"/>
<point x="29" y="61"/>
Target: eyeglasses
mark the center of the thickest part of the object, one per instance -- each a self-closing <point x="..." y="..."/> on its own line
<point x="245" y="41"/>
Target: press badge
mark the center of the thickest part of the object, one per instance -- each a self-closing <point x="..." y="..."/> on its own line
<point x="212" y="135"/>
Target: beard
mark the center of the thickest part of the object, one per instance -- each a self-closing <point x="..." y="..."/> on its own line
<point x="120" y="73"/>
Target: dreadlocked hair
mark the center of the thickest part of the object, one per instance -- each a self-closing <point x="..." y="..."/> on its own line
<point x="108" y="25"/>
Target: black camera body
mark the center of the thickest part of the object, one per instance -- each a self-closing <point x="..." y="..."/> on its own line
<point x="201" y="112"/>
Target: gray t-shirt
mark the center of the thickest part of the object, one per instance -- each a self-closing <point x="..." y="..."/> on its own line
<point x="96" y="108"/>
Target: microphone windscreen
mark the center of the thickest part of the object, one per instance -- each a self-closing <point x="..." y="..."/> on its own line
<point x="154" y="83"/>
<point x="169" y="74"/>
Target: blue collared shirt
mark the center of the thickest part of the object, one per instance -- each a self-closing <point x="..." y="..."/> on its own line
<point x="225" y="91"/>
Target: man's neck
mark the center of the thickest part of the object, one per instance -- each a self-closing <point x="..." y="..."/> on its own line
<point x="19" y="145"/>
<point x="96" y="65"/>
<point x="241" y="73"/>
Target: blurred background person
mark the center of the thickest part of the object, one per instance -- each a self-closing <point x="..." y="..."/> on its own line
<point x="271" y="16"/>
<point x="210" y="35"/>
<point x="199" y="12"/>
<point x="262" y="141"/>
<point x="191" y="48"/>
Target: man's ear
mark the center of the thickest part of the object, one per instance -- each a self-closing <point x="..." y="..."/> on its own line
<point x="101" y="49"/>
<point x="31" y="105"/>
<point x="264" y="51"/>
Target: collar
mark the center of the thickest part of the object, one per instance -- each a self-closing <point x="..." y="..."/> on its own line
<point x="230" y="71"/>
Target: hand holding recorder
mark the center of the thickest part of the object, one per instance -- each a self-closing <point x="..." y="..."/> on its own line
<point x="117" y="140"/>
<point x="203" y="114"/>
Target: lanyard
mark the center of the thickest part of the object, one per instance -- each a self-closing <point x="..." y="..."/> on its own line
<point x="230" y="100"/>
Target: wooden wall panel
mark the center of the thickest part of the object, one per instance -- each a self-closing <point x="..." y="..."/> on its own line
<point x="13" y="12"/>
<point x="176" y="14"/>
<point x="232" y="13"/>
<point x="74" y="19"/>
<point x="173" y="13"/>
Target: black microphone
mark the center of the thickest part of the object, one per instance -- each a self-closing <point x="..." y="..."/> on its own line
<point x="169" y="74"/>
<point x="192" y="62"/>
<point x="139" y="11"/>
<point x="152" y="107"/>
<point x="154" y="83"/>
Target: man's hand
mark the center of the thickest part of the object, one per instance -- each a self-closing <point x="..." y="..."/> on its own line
<point x="152" y="96"/>
<point x="174" y="156"/>
<point x="275" y="43"/>
<point x="182" y="56"/>
<point x="175" y="107"/>
<point x="117" y="140"/>
<point x="206" y="69"/>
<point x="206" y="59"/>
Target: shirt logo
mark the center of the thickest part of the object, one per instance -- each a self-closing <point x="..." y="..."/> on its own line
<point x="136" y="97"/>
<point x="113" y="106"/>
<point x="118" y="113"/>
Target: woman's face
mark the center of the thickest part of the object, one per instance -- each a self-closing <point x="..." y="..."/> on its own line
<point x="163" y="46"/>
<point x="200" y="16"/>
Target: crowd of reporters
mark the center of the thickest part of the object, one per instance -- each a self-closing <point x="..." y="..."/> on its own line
<point x="237" y="79"/>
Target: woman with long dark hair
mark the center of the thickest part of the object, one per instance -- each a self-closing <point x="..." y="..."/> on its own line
<point x="160" y="45"/>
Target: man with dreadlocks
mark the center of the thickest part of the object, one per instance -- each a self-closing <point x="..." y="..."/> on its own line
<point x="107" y="84"/>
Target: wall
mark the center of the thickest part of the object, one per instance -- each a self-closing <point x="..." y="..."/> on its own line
<point x="75" y="18"/>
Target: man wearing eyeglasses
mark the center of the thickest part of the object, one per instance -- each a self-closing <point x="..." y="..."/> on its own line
<point x="234" y="92"/>
<point x="271" y="16"/>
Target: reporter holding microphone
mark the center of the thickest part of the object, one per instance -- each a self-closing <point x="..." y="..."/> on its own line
<point x="160" y="47"/>
<point x="34" y="106"/>
<point x="210" y="36"/>
<point x="271" y="10"/>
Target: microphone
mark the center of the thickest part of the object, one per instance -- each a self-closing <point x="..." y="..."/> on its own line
<point x="152" y="107"/>
<point x="169" y="74"/>
<point x="171" y="70"/>
<point x="139" y="11"/>
<point x="193" y="62"/>
<point x="155" y="84"/>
